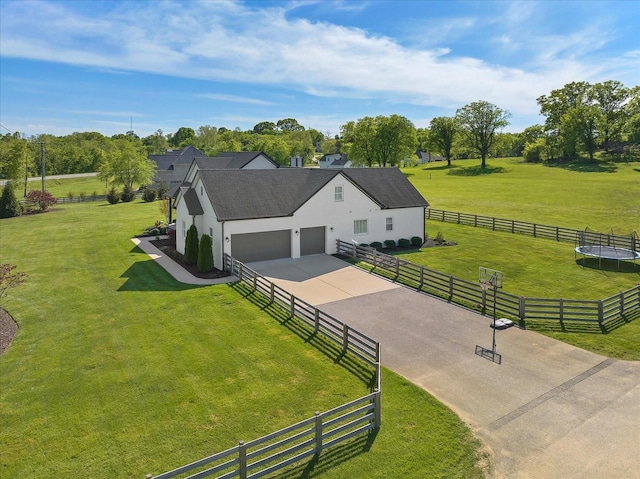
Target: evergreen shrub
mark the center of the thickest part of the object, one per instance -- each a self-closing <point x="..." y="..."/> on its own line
<point x="390" y="244"/>
<point x="205" y="254"/>
<point x="416" y="241"/>
<point x="113" y="196"/>
<point x="191" y="246"/>
<point x="9" y="206"/>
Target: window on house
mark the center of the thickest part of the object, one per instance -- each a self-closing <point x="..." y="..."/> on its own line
<point x="389" y="224"/>
<point x="338" y="196"/>
<point x="184" y="229"/>
<point x="201" y="191"/>
<point x="360" y="227"/>
<point x="211" y="233"/>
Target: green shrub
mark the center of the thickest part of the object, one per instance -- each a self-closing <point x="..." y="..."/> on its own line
<point x="416" y="241"/>
<point x="128" y="194"/>
<point x="70" y="195"/>
<point x="191" y="246"/>
<point x="390" y="244"/>
<point x="94" y="195"/>
<point x="82" y="195"/>
<point x="113" y="196"/>
<point x="9" y="206"/>
<point x="363" y="245"/>
<point x="404" y="243"/>
<point x="376" y="245"/>
<point x="162" y="189"/>
<point x="205" y="254"/>
<point x="439" y="237"/>
<point x="149" y="195"/>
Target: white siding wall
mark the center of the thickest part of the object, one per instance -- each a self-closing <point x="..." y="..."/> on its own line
<point x="259" y="163"/>
<point x="323" y="210"/>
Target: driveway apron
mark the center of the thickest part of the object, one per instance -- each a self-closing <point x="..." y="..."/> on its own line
<point x="549" y="410"/>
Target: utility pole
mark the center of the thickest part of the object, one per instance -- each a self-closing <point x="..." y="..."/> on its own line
<point x="43" y="163"/>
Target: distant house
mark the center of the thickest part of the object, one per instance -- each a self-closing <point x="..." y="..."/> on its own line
<point x="257" y="215"/>
<point x="334" y="160"/>
<point x="172" y="166"/>
<point x="427" y="157"/>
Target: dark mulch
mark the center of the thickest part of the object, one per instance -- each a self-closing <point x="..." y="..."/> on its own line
<point x="167" y="247"/>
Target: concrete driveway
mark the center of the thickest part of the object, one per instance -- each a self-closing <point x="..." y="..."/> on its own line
<point x="549" y="410"/>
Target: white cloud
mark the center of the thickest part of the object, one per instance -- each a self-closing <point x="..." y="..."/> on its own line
<point x="234" y="99"/>
<point x="227" y="41"/>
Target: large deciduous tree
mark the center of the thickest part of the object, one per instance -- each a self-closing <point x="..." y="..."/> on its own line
<point x="382" y="140"/>
<point x="183" y="137"/>
<point x="157" y="143"/>
<point x="289" y="124"/>
<point x="126" y="163"/>
<point x="479" y="122"/>
<point x="442" y="133"/>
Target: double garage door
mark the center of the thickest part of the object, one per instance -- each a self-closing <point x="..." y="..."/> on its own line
<point x="267" y="245"/>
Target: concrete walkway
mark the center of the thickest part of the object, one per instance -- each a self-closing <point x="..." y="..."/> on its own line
<point x="549" y="410"/>
<point x="178" y="272"/>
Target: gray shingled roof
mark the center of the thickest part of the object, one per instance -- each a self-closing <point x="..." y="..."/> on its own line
<point x="230" y="160"/>
<point x="247" y="194"/>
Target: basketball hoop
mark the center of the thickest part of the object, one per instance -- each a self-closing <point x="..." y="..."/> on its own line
<point x="485" y="285"/>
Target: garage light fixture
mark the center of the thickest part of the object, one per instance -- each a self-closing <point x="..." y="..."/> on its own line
<point x="227" y="239"/>
<point x="297" y="232"/>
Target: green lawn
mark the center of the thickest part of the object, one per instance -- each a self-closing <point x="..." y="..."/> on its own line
<point x="603" y="196"/>
<point x="62" y="187"/>
<point x="117" y="370"/>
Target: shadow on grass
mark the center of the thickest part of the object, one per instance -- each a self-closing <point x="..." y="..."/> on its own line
<point x="305" y="332"/>
<point x="331" y="458"/>
<point x="580" y="326"/>
<point x="441" y="168"/>
<point x="584" y="166"/>
<point x="609" y="265"/>
<point x="478" y="170"/>
<point x="148" y="275"/>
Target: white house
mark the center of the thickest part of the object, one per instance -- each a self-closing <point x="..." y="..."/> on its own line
<point x="256" y="215"/>
<point x="334" y="160"/>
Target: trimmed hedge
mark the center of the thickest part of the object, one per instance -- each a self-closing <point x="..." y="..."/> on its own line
<point x="416" y="241"/>
<point x="390" y="244"/>
<point x="377" y="245"/>
<point x="404" y="243"/>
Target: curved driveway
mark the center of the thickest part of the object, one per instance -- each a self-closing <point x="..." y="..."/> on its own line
<point x="549" y="410"/>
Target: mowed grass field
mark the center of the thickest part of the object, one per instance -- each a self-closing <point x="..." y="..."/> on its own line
<point x="117" y="370"/>
<point x="603" y="196"/>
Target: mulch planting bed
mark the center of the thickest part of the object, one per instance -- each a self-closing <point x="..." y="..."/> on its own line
<point x="168" y="248"/>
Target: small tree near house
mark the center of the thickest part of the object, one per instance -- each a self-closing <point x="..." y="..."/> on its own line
<point x="205" y="254"/>
<point x="191" y="246"/>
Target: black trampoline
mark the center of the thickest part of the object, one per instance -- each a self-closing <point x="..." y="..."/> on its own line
<point x="608" y="252"/>
<point x="608" y="246"/>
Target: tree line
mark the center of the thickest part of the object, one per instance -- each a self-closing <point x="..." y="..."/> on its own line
<point x="580" y="119"/>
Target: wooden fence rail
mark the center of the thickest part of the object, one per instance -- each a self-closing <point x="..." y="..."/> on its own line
<point x="309" y="437"/>
<point x="471" y="295"/>
<point x="533" y="229"/>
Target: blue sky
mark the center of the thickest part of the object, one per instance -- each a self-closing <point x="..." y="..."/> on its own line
<point x="88" y="65"/>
